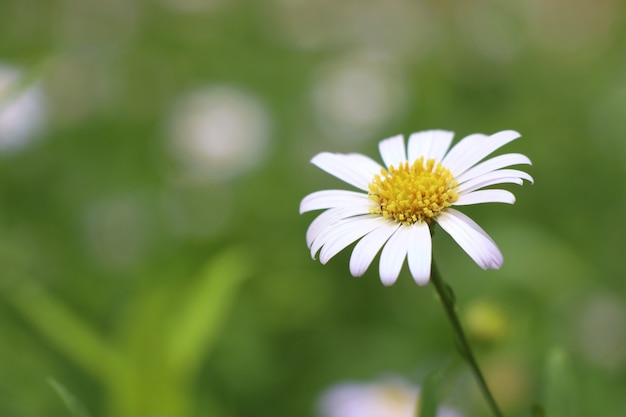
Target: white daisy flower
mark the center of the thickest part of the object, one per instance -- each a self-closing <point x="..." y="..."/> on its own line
<point x="387" y="398"/>
<point x="398" y="204"/>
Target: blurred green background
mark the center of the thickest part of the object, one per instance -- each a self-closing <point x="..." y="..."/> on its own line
<point x="152" y="258"/>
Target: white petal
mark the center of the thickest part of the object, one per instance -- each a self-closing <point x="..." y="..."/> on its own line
<point x="431" y="144"/>
<point x="321" y="223"/>
<point x="346" y="167"/>
<point x="366" y="162"/>
<point x="472" y="149"/>
<point x="344" y="236"/>
<point x="471" y="238"/>
<point x="365" y="251"/>
<point x="420" y="252"/>
<point x="392" y="151"/>
<point x="500" y="176"/>
<point x="320" y="200"/>
<point x="485" y="196"/>
<point x="393" y="254"/>
<point x="492" y="164"/>
<point x="472" y="186"/>
<point x="338" y="228"/>
<point x="328" y="219"/>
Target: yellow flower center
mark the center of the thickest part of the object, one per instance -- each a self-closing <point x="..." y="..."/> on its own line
<point x="415" y="193"/>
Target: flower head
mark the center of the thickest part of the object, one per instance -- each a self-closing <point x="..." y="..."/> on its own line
<point x="399" y="203"/>
<point x="22" y="109"/>
<point x="386" y="398"/>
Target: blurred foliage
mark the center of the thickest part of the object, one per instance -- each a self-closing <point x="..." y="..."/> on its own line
<point x="124" y="271"/>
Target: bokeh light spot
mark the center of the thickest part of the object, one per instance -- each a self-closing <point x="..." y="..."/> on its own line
<point x="219" y="132"/>
<point x="356" y="97"/>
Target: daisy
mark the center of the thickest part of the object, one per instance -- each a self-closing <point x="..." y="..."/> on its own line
<point x="393" y="397"/>
<point x="399" y="204"/>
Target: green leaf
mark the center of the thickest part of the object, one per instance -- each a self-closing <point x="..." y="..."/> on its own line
<point x="67" y="332"/>
<point x="429" y="397"/>
<point x="196" y="321"/>
<point x="77" y="409"/>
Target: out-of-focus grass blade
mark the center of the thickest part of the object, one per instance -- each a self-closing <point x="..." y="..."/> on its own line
<point x="195" y="323"/>
<point x="65" y="330"/>
<point x="561" y="396"/>
<point x="77" y="409"/>
<point x="429" y="397"/>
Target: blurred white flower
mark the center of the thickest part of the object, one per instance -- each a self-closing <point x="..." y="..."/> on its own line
<point x="219" y="132"/>
<point x="386" y="398"/>
<point x="117" y="231"/>
<point x="22" y="110"/>
<point x="492" y="31"/>
<point x="193" y="6"/>
<point x="606" y="125"/>
<point x="602" y="330"/>
<point x="403" y="28"/>
<point x="185" y="206"/>
<point x="579" y="28"/>
<point x="356" y="96"/>
<point x="397" y="204"/>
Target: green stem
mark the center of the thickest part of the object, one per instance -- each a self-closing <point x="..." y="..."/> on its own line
<point x="447" y="298"/>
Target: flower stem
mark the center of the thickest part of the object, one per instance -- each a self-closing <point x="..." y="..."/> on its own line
<point x="447" y="299"/>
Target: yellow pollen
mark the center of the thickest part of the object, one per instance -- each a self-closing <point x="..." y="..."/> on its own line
<point x="415" y="193"/>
